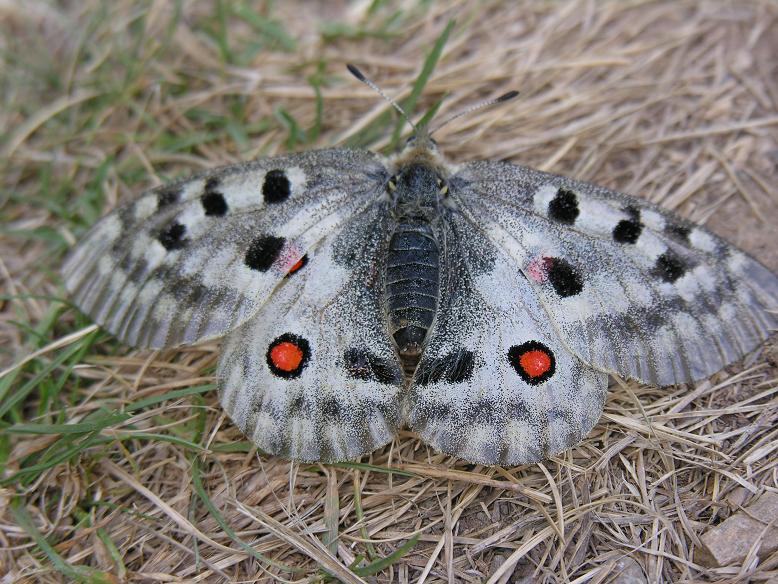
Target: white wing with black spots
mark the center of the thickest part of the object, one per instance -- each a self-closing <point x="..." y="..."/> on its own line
<point x="195" y="259"/>
<point x="629" y="287"/>
<point x="313" y="375"/>
<point x="495" y="384"/>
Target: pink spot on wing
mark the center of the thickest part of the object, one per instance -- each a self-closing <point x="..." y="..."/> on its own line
<point x="538" y="269"/>
<point x="289" y="259"/>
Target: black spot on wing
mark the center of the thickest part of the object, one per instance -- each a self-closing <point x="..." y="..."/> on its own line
<point x="190" y="291"/>
<point x="276" y="187"/>
<point x="669" y="267"/>
<point x="364" y="365"/>
<point x="263" y="252"/>
<point x="214" y="204"/>
<point x="173" y="236"/>
<point x="564" y="277"/>
<point x="678" y="232"/>
<point x="628" y="230"/>
<point x="331" y="409"/>
<point x="167" y="196"/>
<point x="564" y="207"/>
<point x="456" y="367"/>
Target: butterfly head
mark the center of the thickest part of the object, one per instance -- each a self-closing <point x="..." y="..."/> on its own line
<point x="419" y="174"/>
<point x="420" y="148"/>
<point x="419" y="179"/>
<point x="421" y="143"/>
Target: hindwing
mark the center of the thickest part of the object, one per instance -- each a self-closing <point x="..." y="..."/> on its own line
<point x="496" y="385"/>
<point x="313" y="375"/>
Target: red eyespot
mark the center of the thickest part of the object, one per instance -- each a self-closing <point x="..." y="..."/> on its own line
<point x="533" y="361"/>
<point x="288" y="355"/>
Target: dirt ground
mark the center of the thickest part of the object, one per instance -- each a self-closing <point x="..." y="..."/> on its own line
<point x="119" y="465"/>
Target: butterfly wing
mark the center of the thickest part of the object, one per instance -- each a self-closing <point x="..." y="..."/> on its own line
<point x="496" y="384"/>
<point x="628" y="287"/>
<point x="313" y="375"/>
<point x="195" y="259"/>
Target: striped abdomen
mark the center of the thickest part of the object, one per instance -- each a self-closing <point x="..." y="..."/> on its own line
<point x="412" y="282"/>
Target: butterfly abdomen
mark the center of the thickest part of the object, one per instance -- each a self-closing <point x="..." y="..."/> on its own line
<point x="412" y="283"/>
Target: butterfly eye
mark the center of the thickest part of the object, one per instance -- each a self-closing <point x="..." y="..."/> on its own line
<point x="392" y="184"/>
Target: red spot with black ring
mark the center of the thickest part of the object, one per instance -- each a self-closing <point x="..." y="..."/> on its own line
<point x="288" y="355"/>
<point x="533" y="361"/>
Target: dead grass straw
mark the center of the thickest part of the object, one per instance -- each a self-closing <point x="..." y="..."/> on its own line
<point x="120" y="466"/>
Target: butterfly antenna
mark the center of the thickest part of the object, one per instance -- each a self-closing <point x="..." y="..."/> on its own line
<point x="359" y="75"/>
<point x="503" y="98"/>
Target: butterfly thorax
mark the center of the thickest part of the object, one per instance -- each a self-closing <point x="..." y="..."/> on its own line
<point x="415" y="193"/>
<point x="412" y="278"/>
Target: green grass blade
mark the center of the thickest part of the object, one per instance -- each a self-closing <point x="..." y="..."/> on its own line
<point x="431" y="113"/>
<point x="73" y="352"/>
<point x="197" y="484"/>
<point x="430" y="63"/>
<point x="153" y="437"/>
<point x="170" y="395"/>
<point x="114" y="552"/>
<point x="238" y="446"/>
<point x="272" y="30"/>
<point x="359" y="512"/>
<point x="97" y="424"/>
<point x="74" y="574"/>
<point x="55" y="456"/>
<point x="383" y="563"/>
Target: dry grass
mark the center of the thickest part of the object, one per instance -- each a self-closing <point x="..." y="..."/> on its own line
<point x="673" y="101"/>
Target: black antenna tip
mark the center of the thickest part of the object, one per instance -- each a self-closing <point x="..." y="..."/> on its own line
<point x="506" y="96"/>
<point x="356" y="72"/>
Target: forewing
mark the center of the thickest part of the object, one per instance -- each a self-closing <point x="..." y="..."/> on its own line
<point x="630" y="288"/>
<point x="313" y="375"/>
<point x="197" y="258"/>
<point x="495" y="384"/>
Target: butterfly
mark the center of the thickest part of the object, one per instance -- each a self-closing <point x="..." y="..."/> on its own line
<point x="482" y="305"/>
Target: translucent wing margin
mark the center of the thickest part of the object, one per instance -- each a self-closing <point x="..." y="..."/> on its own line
<point x="630" y="288"/>
<point x="195" y="259"/>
